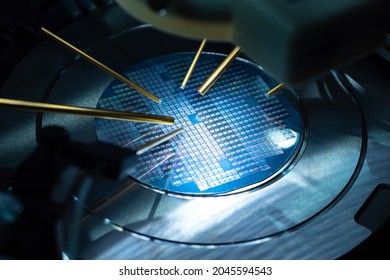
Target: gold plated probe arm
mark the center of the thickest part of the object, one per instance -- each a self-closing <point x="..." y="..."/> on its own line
<point x="101" y="66"/>
<point x="84" y="111"/>
<point x="209" y="82"/>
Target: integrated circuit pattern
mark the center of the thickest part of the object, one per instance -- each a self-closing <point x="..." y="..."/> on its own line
<point x="235" y="135"/>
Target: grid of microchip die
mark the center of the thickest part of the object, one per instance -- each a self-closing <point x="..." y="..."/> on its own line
<point x="227" y="131"/>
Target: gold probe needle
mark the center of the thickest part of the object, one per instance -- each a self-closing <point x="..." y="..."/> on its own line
<point x="219" y="71"/>
<point x="275" y="89"/>
<point x="193" y="64"/>
<point x="139" y="137"/>
<point x="151" y="144"/>
<point x="157" y="165"/>
<point x="97" y="113"/>
<point x="102" y="66"/>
